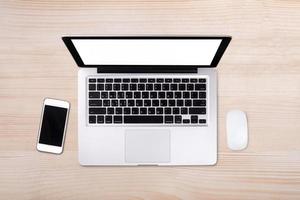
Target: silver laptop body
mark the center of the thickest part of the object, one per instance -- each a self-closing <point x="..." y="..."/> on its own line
<point x="147" y="100"/>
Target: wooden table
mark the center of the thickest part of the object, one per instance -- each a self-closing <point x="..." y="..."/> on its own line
<point x="259" y="73"/>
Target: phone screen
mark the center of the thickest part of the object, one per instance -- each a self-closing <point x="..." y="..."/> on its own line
<point x="53" y="125"/>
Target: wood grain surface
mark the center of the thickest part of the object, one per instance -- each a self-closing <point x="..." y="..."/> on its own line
<point x="259" y="73"/>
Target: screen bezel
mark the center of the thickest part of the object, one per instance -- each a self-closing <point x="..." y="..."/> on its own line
<point x="51" y="148"/>
<point x="220" y="51"/>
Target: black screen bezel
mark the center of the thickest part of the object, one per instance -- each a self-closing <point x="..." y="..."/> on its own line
<point x="224" y="43"/>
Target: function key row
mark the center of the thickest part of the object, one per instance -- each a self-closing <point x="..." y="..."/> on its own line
<point x="147" y="80"/>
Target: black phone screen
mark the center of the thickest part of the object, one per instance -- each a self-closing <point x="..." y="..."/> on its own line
<point x="53" y="125"/>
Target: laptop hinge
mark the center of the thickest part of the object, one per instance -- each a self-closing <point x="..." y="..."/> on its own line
<point x="156" y="69"/>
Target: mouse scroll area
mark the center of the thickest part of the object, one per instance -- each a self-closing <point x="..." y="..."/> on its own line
<point x="147" y="146"/>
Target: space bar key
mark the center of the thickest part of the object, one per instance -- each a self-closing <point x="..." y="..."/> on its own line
<point x="139" y="119"/>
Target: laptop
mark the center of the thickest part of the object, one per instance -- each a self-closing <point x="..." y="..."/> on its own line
<point x="147" y="100"/>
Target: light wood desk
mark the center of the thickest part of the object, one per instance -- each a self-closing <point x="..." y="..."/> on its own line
<point x="259" y="73"/>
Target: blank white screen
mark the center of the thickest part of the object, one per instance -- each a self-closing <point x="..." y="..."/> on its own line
<point x="147" y="51"/>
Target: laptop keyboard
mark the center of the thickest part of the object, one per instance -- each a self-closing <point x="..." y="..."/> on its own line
<point x="147" y="100"/>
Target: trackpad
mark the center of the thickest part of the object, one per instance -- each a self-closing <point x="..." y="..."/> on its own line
<point x="147" y="146"/>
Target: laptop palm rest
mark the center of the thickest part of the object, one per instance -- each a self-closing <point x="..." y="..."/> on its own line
<point x="147" y="146"/>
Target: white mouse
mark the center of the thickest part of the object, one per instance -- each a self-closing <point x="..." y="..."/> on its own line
<point x="237" y="130"/>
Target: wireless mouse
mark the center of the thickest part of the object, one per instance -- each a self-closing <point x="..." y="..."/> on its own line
<point x="237" y="130"/>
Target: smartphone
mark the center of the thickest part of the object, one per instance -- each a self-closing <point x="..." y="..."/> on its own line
<point x="53" y="126"/>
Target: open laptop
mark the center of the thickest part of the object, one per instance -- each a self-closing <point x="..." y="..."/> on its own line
<point x="147" y="100"/>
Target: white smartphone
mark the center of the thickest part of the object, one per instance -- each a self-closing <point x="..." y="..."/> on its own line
<point x="53" y="126"/>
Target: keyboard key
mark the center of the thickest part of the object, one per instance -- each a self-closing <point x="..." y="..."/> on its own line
<point x="108" y="119"/>
<point x="95" y="102"/>
<point x="147" y="102"/>
<point x="104" y="95"/>
<point x="170" y="95"/>
<point x="143" y="80"/>
<point x="92" y="119"/>
<point x="186" y="95"/>
<point x="121" y="95"/>
<point x="106" y="102"/>
<point x="194" y="95"/>
<point x="94" y="94"/>
<point x="122" y="102"/>
<point x="140" y="119"/>
<point x="145" y="95"/>
<point x="184" y="111"/>
<point x="143" y="111"/>
<point x="157" y="86"/>
<point x="179" y="102"/>
<point x="202" y="80"/>
<point x="188" y="103"/>
<point x="155" y="102"/>
<point x="194" y="119"/>
<point x="160" y="80"/>
<point x="165" y="87"/>
<point x="151" y="80"/>
<point x="112" y="95"/>
<point x="130" y="103"/>
<point x="163" y="102"/>
<point x="202" y="95"/>
<point x="186" y="121"/>
<point x="193" y="80"/>
<point x="202" y="121"/>
<point x="108" y="86"/>
<point x="129" y="95"/>
<point x="119" y="111"/>
<point x="151" y="111"/>
<point x="117" y="80"/>
<point x="139" y="102"/>
<point x="117" y="119"/>
<point x="190" y="87"/>
<point x="200" y="87"/>
<point x="199" y="102"/>
<point x="137" y="95"/>
<point x="175" y="111"/>
<point x="135" y="111"/>
<point x="168" y="119"/>
<point x="110" y="111"/>
<point x="176" y="80"/>
<point x="172" y="102"/>
<point x="132" y="87"/>
<point x="109" y="80"/>
<point x="114" y="102"/>
<point x="173" y="86"/>
<point x="100" y="80"/>
<point x="185" y="80"/>
<point x="168" y="80"/>
<point x="178" y="119"/>
<point x="124" y="86"/>
<point x="141" y="86"/>
<point x="134" y="80"/>
<point x="149" y="87"/>
<point x="177" y="95"/>
<point x="126" y="110"/>
<point x="159" y="111"/>
<point x="153" y="95"/>
<point x="167" y="111"/>
<point x="197" y="111"/>
<point x="92" y="80"/>
<point x="92" y="86"/>
<point x="116" y="86"/>
<point x="126" y="80"/>
<point x="181" y="87"/>
<point x="97" y="110"/>
<point x="161" y="95"/>
<point x="100" y="119"/>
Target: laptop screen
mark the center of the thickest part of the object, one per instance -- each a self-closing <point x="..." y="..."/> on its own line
<point x="145" y="51"/>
